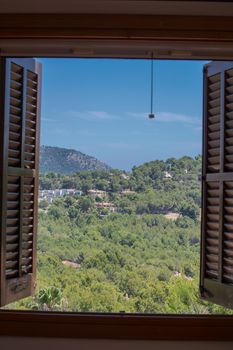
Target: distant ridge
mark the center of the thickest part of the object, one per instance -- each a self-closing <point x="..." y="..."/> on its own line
<point x="67" y="161"/>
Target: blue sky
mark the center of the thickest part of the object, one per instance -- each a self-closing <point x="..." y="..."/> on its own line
<point x="100" y="107"/>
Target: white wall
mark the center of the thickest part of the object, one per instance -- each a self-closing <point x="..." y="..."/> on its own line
<point x="11" y="343"/>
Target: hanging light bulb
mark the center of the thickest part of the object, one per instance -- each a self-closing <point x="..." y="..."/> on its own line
<point x="151" y="115"/>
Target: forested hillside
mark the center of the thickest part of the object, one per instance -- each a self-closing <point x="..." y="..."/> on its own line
<point x="66" y="161"/>
<point x="129" y="243"/>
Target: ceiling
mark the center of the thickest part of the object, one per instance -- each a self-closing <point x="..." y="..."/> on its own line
<point x="152" y="7"/>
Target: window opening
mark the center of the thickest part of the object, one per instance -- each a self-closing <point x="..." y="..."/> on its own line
<point x="119" y="234"/>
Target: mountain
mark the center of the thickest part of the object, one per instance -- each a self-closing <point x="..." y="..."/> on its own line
<point x="66" y="161"/>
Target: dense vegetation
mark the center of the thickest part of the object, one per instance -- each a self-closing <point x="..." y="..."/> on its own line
<point x="136" y="259"/>
<point x="66" y="161"/>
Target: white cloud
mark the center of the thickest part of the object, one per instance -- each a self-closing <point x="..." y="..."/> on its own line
<point x="58" y="131"/>
<point x="46" y="119"/>
<point x="137" y="115"/>
<point x="91" y="115"/>
<point x="173" y="117"/>
<point x="166" y="117"/>
<point x="102" y="115"/>
<point x="169" y="117"/>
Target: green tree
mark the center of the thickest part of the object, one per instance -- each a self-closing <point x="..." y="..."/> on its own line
<point x="48" y="299"/>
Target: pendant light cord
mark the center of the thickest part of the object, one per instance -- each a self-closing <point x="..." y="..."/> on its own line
<point x="152" y="84"/>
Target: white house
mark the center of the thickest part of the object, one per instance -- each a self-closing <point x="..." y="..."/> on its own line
<point x="167" y="175"/>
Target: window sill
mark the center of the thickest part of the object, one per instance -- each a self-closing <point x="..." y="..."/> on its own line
<point x="116" y="326"/>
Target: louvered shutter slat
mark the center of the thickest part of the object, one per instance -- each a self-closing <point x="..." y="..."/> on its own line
<point x="212" y="224"/>
<point x="213" y="123"/>
<point x="228" y="120"/>
<point x="15" y="114"/>
<point x="217" y="210"/>
<point x="227" y="232"/>
<point x="20" y="173"/>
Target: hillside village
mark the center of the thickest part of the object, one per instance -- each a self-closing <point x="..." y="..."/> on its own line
<point x="49" y="196"/>
<point x="100" y="197"/>
<point x="147" y="189"/>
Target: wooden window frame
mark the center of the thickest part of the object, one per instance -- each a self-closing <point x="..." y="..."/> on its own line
<point x="129" y="36"/>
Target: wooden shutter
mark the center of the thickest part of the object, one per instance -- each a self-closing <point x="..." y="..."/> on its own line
<point x="19" y="156"/>
<point x="217" y="186"/>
